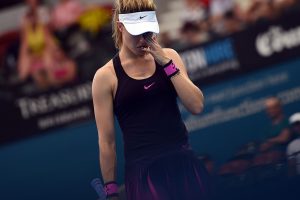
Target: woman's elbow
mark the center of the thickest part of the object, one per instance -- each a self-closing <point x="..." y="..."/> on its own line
<point x="198" y="105"/>
<point x="197" y="110"/>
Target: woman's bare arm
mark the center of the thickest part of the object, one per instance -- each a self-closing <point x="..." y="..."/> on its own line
<point x="102" y="91"/>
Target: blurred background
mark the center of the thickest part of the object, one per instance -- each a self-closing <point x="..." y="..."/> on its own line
<point x="243" y="54"/>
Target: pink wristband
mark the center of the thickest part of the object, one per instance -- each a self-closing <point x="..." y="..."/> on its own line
<point x="170" y="69"/>
<point x="111" y="189"/>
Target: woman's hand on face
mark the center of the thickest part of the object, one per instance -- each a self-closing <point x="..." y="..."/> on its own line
<point x="155" y="49"/>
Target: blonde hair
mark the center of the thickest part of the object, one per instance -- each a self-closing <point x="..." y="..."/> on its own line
<point x="128" y="6"/>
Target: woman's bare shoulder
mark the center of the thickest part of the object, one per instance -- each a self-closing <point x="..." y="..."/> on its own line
<point x="105" y="74"/>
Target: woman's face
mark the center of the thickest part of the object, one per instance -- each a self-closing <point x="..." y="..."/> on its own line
<point x="134" y="43"/>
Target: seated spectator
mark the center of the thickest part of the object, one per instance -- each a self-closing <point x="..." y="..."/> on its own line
<point x="217" y="10"/>
<point x="194" y="11"/>
<point x="277" y="135"/>
<point x="65" y="14"/>
<point x="261" y="12"/>
<point x="41" y="9"/>
<point x="62" y="69"/>
<point x="36" y="41"/>
<point x="65" y="23"/>
<point x="293" y="149"/>
<point x="191" y="34"/>
<point x="219" y="7"/>
<point x="286" y="7"/>
<point x="231" y="23"/>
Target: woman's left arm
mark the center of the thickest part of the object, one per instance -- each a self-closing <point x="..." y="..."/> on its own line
<point x="190" y="95"/>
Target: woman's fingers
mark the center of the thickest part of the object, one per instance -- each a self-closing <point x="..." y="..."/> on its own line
<point x="149" y="39"/>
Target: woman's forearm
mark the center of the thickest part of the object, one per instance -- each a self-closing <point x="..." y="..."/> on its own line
<point x="108" y="164"/>
<point x="189" y="94"/>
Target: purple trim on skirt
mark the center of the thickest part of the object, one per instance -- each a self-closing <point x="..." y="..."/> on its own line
<point x="176" y="175"/>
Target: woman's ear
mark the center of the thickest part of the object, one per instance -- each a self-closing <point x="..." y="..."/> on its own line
<point x="120" y="26"/>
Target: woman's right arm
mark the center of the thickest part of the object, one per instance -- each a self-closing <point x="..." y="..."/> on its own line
<point x="102" y="91"/>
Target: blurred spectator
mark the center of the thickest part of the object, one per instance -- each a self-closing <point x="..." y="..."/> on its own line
<point x="261" y="11"/>
<point x="219" y="7"/>
<point x="36" y="42"/>
<point x="194" y="11"/>
<point x="293" y="149"/>
<point x="243" y="5"/>
<point x="42" y="11"/>
<point x="231" y="23"/>
<point x="217" y="10"/>
<point x="94" y="18"/>
<point x="284" y="7"/>
<point x="277" y="135"/>
<point x="206" y="3"/>
<point x="191" y="34"/>
<point x="195" y="28"/>
<point x="62" y="69"/>
<point x="165" y="39"/>
<point x="66" y="14"/>
<point x="65" y="19"/>
<point x="241" y="8"/>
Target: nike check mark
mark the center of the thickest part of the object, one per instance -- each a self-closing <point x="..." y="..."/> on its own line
<point x="141" y="17"/>
<point x="146" y="87"/>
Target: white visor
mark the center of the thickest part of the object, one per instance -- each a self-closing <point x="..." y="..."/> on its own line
<point x="140" y="22"/>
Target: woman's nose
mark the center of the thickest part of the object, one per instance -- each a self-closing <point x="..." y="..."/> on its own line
<point x="141" y="37"/>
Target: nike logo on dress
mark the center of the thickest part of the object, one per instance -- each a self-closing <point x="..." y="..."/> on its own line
<point x="146" y="87"/>
<point x="141" y="17"/>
